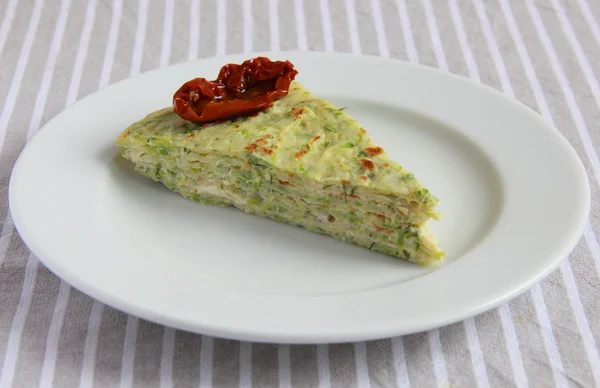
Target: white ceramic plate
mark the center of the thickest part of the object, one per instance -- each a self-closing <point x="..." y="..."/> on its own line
<point x="514" y="199"/>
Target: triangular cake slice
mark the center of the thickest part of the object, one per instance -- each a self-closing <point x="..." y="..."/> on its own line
<point x="301" y="161"/>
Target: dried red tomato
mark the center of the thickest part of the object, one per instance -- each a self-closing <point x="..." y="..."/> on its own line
<point x="238" y="90"/>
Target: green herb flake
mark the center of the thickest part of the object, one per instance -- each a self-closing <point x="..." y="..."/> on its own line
<point x="331" y="128"/>
<point x="164" y="151"/>
<point x="400" y="238"/>
<point x="303" y="170"/>
<point x="253" y="201"/>
<point x="344" y="190"/>
<point x="246" y="176"/>
<point x="348" y="145"/>
<point x="338" y="112"/>
<point x="362" y="154"/>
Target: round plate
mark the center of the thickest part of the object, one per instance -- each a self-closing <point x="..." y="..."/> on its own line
<point x="514" y="199"/>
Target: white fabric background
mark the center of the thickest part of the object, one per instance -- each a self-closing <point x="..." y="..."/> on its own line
<point x="545" y="53"/>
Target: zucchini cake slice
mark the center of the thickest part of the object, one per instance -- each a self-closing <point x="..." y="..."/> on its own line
<point x="301" y="161"/>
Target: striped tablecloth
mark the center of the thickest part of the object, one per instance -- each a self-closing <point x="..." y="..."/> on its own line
<point x="545" y="53"/>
